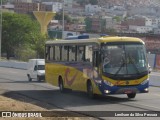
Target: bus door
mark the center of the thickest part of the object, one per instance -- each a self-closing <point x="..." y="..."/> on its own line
<point x="95" y="64"/>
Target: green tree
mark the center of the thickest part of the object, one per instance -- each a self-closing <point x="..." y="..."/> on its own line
<point x="83" y="2"/>
<point x="59" y="16"/>
<point x="38" y="44"/>
<point x="16" y="32"/>
<point x="4" y="1"/>
<point x="117" y="18"/>
<point x="93" y="2"/>
<point x="88" y="22"/>
<point x="35" y="49"/>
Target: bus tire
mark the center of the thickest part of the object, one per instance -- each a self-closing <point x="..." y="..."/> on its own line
<point x="131" y="95"/>
<point x="61" y="85"/>
<point x="90" y="90"/>
<point x="29" y="78"/>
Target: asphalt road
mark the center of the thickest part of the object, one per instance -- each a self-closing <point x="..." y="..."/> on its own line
<point x="14" y="81"/>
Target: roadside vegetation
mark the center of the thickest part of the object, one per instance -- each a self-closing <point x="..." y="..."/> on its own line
<point x="21" y="37"/>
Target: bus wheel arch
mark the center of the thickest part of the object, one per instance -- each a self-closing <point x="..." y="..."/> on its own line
<point x="90" y="91"/>
<point x="61" y="84"/>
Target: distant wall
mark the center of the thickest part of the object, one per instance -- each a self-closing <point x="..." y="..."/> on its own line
<point x="14" y="64"/>
<point x="157" y="62"/>
<point x="151" y="60"/>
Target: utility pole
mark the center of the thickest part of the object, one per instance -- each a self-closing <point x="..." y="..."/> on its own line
<point x="63" y="20"/>
<point x="1" y="30"/>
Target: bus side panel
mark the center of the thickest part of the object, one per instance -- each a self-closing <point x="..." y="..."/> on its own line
<point x="52" y="73"/>
<point x="71" y="76"/>
<point x="74" y="77"/>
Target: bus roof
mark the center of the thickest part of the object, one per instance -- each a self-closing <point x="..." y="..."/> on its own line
<point x="120" y="39"/>
<point x="72" y="41"/>
<point x="97" y="40"/>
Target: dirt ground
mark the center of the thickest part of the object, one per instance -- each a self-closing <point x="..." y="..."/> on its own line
<point x="8" y="104"/>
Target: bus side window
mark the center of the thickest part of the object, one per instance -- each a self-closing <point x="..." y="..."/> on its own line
<point x="51" y="53"/>
<point x="47" y="53"/>
<point x="95" y="58"/>
<point x="57" y="53"/>
<point x="64" y="53"/>
<point x="72" y="53"/>
<point x="88" y="53"/>
<point x="80" y="53"/>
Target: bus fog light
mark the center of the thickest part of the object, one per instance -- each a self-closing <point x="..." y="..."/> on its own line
<point x="107" y="91"/>
<point x="146" y="89"/>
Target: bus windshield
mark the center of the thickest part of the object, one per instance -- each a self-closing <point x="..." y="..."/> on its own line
<point x="124" y="58"/>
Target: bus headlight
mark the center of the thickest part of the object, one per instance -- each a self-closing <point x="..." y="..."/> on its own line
<point x="107" y="83"/>
<point x="145" y="81"/>
<point x="107" y="91"/>
<point x="146" y="89"/>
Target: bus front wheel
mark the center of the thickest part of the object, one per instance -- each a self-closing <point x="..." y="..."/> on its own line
<point x="61" y="86"/>
<point x="90" y="90"/>
<point x="131" y="95"/>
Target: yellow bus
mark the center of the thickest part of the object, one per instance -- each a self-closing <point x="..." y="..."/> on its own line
<point x="106" y="65"/>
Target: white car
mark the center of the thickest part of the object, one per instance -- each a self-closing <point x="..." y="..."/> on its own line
<point x="36" y="69"/>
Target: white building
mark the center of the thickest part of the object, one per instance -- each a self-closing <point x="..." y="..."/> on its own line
<point x="92" y="8"/>
<point x="68" y="4"/>
<point x="140" y="29"/>
<point x="156" y="31"/>
<point x="26" y="1"/>
<point x="148" y="22"/>
<point x="109" y="22"/>
<point x="54" y="6"/>
<point x="154" y="22"/>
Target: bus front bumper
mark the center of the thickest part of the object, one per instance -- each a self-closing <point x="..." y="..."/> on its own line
<point x="106" y="90"/>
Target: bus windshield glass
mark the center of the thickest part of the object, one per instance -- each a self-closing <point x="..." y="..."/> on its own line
<point x="124" y="58"/>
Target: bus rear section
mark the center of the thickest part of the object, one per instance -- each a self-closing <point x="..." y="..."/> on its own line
<point x="111" y="65"/>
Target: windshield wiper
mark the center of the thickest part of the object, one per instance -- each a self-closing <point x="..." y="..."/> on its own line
<point x="130" y="58"/>
<point x="123" y="63"/>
